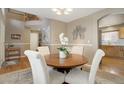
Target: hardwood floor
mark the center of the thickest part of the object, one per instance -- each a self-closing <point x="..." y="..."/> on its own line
<point x="21" y="65"/>
<point x="111" y="65"/>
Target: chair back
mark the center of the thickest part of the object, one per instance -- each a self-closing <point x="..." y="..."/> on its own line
<point x="44" y="50"/>
<point x="95" y="64"/>
<point x="77" y="50"/>
<point x="38" y="66"/>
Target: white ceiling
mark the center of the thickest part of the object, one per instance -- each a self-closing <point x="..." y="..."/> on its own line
<point x="48" y="13"/>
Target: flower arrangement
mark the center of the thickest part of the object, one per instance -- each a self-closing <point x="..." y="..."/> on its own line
<point x="63" y="51"/>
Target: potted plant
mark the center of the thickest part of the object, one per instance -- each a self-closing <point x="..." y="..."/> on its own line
<point x="63" y="51"/>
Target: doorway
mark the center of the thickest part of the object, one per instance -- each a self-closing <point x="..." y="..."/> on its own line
<point x="111" y="41"/>
<point x="34" y="40"/>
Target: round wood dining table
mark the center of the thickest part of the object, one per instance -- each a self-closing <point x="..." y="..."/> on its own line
<point x="73" y="60"/>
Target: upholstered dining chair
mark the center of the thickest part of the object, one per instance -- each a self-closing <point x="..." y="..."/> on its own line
<point x="41" y="75"/>
<point x="77" y="50"/>
<point x="77" y="76"/>
<point x="44" y="50"/>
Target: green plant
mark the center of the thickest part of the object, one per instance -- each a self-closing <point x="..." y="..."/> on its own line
<point x="65" y="50"/>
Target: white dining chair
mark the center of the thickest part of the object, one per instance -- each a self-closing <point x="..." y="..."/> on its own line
<point x="44" y="50"/>
<point x="77" y="76"/>
<point x="41" y="75"/>
<point x="77" y="50"/>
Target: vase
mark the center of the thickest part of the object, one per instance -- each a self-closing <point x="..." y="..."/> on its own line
<point x="62" y="54"/>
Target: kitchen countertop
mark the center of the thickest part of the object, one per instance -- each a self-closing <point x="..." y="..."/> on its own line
<point x="112" y="45"/>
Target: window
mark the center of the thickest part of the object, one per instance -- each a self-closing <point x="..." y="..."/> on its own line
<point x="110" y="36"/>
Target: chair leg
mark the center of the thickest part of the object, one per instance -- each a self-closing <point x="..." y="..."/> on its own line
<point x="80" y="68"/>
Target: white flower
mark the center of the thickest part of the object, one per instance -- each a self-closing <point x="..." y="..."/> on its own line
<point x="66" y="40"/>
<point x="63" y="40"/>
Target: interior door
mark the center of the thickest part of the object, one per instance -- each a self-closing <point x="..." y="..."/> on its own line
<point x="34" y="37"/>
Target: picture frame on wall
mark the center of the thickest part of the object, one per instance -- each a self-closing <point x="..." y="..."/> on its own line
<point x="16" y="36"/>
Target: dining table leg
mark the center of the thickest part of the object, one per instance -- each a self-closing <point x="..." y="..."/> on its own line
<point x="63" y="70"/>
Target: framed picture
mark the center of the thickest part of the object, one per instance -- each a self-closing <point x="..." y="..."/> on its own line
<point x="16" y="36"/>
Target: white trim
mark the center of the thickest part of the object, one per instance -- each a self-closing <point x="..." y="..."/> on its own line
<point x="18" y="43"/>
<point x="69" y="44"/>
<point x="51" y="44"/>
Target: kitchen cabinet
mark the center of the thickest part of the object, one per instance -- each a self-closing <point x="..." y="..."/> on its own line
<point x="121" y="32"/>
<point x="113" y="51"/>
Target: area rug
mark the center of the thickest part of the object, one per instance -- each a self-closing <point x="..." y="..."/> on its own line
<point x="8" y="63"/>
<point x="23" y="76"/>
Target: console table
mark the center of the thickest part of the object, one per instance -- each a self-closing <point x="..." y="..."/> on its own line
<point x="12" y="54"/>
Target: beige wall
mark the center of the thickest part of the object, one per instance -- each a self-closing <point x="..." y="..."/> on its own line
<point x="90" y="23"/>
<point x="14" y="25"/>
<point x="56" y="27"/>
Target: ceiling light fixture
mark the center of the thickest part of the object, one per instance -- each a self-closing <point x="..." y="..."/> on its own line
<point x="62" y="11"/>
